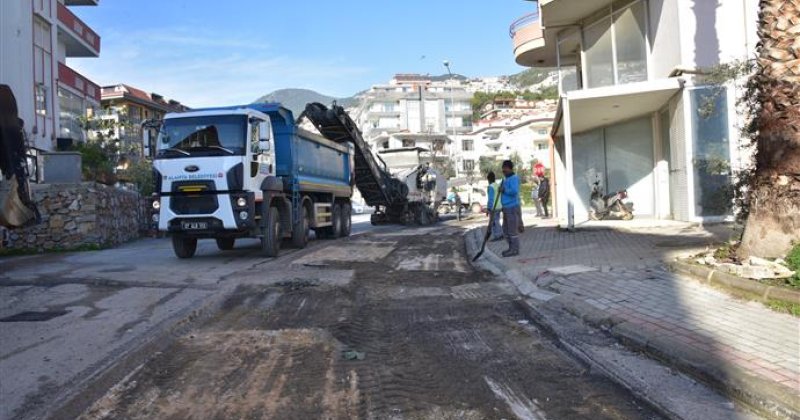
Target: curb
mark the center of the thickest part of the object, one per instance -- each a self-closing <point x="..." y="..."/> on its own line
<point x="766" y="398"/>
<point x="738" y="286"/>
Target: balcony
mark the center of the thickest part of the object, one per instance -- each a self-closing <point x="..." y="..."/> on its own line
<point x="79" y="39"/>
<point x="72" y="79"/>
<point x="81" y="2"/>
<point x="532" y="46"/>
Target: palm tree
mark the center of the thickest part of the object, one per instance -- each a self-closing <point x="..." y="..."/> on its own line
<point x="773" y="223"/>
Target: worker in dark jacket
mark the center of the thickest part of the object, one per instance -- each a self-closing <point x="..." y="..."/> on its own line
<point x="544" y="194"/>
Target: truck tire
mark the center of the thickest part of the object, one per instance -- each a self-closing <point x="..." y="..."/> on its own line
<point x="300" y="230"/>
<point x="184" y="247"/>
<point x="271" y="233"/>
<point x="225" y="244"/>
<point x="347" y="225"/>
<point x="336" y="228"/>
<point x="476" y="208"/>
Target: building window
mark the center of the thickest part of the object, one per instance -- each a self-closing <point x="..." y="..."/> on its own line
<point x="467" y="145"/>
<point x="542" y="131"/>
<point x="409" y="143"/>
<point x="468" y="165"/>
<point x="385" y="145"/>
<point x="42" y="67"/>
<point x="542" y="146"/>
<point x="599" y="55"/>
<point x="569" y="53"/>
<point x="40" y="93"/>
<point x="71" y="109"/>
<point x="629" y="34"/>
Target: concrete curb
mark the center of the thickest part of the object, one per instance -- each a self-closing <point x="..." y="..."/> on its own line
<point x="767" y="398"/>
<point x="738" y="286"/>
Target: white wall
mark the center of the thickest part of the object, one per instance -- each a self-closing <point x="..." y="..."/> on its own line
<point x="16" y="56"/>
<point x="664" y="37"/>
<point x="714" y="32"/>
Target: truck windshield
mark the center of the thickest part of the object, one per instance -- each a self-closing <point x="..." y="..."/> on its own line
<point x="218" y="135"/>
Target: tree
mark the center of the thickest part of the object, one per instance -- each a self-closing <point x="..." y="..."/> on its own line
<point x="773" y="222"/>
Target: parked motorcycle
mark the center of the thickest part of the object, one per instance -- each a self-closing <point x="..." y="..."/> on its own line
<point x="608" y="205"/>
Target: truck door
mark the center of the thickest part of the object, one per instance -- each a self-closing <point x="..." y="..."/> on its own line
<point x="262" y="155"/>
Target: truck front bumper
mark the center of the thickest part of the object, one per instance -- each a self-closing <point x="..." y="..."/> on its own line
<point x="234" y="216"/>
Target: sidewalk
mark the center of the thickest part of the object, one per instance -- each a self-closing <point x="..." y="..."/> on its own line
<point x="614" y="279"/>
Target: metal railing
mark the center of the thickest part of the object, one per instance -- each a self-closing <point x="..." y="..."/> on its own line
<point x="524" y="21"/>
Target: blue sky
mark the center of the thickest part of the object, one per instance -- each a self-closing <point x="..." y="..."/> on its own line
<point x="205" y="52"/>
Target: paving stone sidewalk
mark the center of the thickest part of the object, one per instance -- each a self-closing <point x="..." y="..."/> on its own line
<point x="615" y="279"/>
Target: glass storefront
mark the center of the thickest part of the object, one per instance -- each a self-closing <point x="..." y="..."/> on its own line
<point x="711" y="152"/>
<point x="618" y="156"/>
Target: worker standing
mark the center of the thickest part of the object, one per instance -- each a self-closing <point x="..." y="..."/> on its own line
<point x="494" y="207"/>
<point x="512" y="215"/>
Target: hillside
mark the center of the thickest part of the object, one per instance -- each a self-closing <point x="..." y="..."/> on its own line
<point x="296" y="99"/>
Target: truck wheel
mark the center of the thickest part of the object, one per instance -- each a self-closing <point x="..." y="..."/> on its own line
<point x="225" y="244"/>
<point x="347" y="212"/>
<point x="300" y="230"/>
<point x="271" y="233"/>
<point x="184" y="247"/>
<point x="336" y="229"/>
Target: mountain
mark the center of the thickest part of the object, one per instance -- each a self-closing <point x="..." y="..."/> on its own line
<point x="534" y="77"/>
<point x="296" y="99"/>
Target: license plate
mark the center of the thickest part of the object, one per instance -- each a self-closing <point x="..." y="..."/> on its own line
<point x="194" y="225"/>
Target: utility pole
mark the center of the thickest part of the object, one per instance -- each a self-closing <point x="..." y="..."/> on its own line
<point x="452" y="109"/>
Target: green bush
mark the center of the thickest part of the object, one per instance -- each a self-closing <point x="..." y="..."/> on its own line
<point x="793" y="261"/>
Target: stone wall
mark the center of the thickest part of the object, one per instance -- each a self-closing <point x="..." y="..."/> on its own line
<point x="79" y="215"/>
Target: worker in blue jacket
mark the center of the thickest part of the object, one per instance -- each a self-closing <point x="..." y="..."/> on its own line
<point x="512" y="212"/>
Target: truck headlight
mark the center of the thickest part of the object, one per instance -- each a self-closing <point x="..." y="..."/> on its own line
<point x="156" y="204"/>
<point x="243" y="215"/>
<point x="241" y="202"/>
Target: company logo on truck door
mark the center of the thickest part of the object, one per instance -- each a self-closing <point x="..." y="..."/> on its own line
<point x="184" y="177"/>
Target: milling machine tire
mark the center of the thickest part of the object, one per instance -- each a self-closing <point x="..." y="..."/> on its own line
<point x="184" y="247"/>
<point x="271" y="233"/>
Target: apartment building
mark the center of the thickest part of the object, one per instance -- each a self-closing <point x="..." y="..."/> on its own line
<point x="37" y="37"/>
<point x="129" y="107"/>
<point x="415" y="111"/>
<point x="634" y="110"/>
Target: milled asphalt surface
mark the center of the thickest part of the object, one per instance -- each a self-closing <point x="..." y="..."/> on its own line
<point x="64" y="317"/>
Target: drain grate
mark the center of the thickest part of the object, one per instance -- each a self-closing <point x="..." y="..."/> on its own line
<point x="33" y="316"/>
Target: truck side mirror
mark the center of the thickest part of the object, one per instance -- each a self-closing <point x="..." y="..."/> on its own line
<point x="146" y="142"/>
<point x="265" y="131"/>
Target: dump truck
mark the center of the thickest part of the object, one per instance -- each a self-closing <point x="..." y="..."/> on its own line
<point x="254" y="171"/>
<point x="248" y="172"/>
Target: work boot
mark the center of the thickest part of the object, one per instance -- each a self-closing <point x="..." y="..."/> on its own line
<point x="510" y="253"/>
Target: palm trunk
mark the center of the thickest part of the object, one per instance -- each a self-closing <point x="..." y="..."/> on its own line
<point x="773" y="224"/>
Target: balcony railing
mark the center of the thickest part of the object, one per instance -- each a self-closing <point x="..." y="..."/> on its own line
<point x="519" y="24"/>
<point x="72" y="79"/>
<point x="86" y="42"/>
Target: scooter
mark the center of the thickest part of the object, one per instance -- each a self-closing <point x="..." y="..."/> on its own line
<point x="605" y="206"/>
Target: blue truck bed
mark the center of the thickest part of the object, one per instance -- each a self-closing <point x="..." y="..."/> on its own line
<point x="306" y="160"/>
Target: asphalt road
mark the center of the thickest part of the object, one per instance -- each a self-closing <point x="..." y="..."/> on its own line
<point x="390" y="323"/>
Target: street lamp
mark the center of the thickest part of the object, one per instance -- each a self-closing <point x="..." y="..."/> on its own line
<point x="452" y="108"/>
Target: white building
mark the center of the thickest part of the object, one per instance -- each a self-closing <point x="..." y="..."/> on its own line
<point x="36" y="38"/>
<point x="493" y="84"/>
<point x="414" y="111"/>
<point x="633" y="112"/>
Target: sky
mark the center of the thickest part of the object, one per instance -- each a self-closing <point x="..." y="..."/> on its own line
<point x="208" y="53"/>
